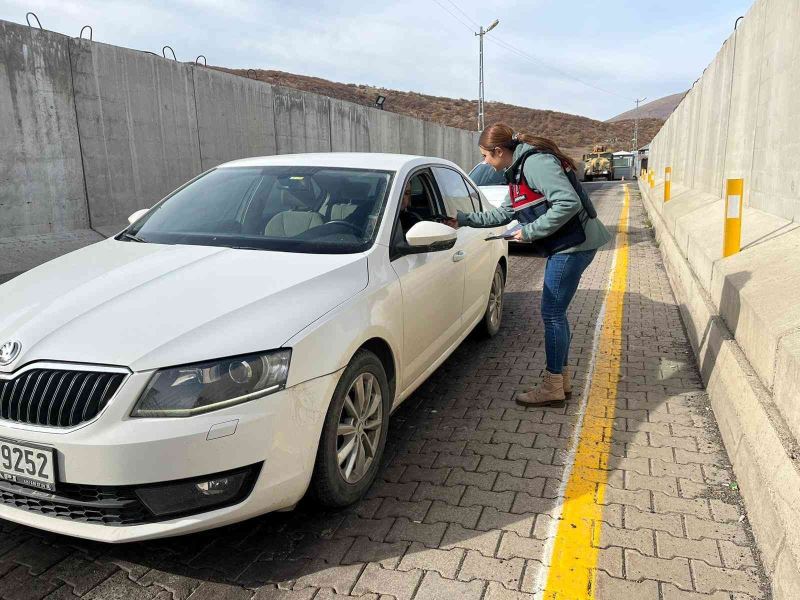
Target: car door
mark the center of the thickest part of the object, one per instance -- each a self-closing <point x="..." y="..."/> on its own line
<point x="432" y="285"/>
<point x="458" y="194"/>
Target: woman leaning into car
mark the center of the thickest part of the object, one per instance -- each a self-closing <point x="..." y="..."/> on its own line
<point x="557" y="216"/>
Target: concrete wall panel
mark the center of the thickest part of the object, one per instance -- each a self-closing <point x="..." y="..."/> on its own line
<point x="349" y="127"/>
<point x="302" y="121"/>
<point x="138" y="128"/>
<point x="412" y="136"/>
<point x="41" y="178"/>
<point x="235" y="117"/>
<point x="433" y="135"/>
<point x="744" y="96"/>
<point x="712" y="124"/>
<point x="384" y="131"/>
<point x="775" y="179"/>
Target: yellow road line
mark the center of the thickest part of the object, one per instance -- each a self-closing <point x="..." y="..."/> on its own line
<point x="573" y="564"/>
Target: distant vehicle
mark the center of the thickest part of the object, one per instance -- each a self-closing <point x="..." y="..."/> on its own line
<point x="598" y="163"/>
<point x="622" y="165"/>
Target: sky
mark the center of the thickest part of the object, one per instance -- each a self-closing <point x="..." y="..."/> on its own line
<point x="582" y="56"/>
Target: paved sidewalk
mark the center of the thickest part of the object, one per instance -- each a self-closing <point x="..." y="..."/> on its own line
<point x="466" y="502"/>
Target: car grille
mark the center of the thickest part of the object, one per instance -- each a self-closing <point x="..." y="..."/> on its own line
<point x="85" y="503"/>
<point x="57" y="398"/>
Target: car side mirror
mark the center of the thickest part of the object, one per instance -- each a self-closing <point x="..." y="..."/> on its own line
<point x="137" y="215"/>
<point x="428" y="236"/>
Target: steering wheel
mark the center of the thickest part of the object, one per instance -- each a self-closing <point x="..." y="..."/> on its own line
<point x="355" y="228"/>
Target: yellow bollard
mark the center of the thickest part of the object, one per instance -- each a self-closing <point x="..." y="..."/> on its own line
<point x="652" y="179"/>
<point x="667" y="183"/>
<point x="732" y="242"/>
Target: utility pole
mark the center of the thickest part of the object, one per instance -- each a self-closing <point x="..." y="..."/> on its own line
<point x="480" y="34"/>
<point x="636" y="125"/>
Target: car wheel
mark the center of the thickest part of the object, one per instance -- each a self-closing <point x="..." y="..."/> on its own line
<point x="354" y="433"/>
<point x="493" y="316"/>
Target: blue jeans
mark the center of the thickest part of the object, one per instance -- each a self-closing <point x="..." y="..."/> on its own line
<point x="561" y="278"/>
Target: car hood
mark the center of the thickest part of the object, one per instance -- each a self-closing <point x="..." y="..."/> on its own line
<point x="146" y="306"/>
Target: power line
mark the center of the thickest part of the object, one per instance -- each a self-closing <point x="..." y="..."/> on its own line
<point x="454" y="15"/>
<point x="470" y="19"/>
<point x="540" y="62"/>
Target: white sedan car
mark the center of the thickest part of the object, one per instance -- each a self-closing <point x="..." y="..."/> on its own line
<point x="242" y="340"/>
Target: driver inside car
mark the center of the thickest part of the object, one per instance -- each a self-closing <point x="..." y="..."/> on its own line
<point x="408" y="218"/>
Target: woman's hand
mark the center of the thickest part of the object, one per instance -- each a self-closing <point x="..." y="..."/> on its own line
<point x="450" y="222"/>
<point x="518" y="236"/>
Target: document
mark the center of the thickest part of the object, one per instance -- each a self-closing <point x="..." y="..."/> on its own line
<point x="508" y="234"/>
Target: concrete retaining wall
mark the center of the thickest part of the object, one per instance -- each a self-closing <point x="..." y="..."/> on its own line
<point x="138" y="128"/>
<point x="92" y="132"/>
<point x="742" y="120"/>
<point x="41" y="179"/>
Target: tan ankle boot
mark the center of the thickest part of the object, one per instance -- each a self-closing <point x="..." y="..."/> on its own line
<point x="567" y="375"/>
<point x="548" y="393"/>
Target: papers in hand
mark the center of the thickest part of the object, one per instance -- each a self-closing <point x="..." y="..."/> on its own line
<point x="508" y="234"/>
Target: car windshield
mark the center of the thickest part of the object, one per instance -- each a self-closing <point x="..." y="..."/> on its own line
<point x="483" y="174"/>
<point x="321" y="210"/>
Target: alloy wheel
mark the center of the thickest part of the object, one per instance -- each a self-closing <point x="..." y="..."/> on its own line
<point x="496" y="300"/>
<point x="359" y="430"/>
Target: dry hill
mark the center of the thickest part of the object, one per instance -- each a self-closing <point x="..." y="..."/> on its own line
<point x="572" y="132"/>
<point x="657" y="109"/>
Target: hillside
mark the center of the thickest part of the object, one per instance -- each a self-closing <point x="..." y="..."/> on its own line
<point x="657" y="109"/>
<point x="575" y="134"/>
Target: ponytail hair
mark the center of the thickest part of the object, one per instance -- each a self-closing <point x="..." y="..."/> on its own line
<point x="502" y="136"/>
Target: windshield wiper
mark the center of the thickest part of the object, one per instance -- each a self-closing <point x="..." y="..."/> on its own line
<point x="134" y="238"/>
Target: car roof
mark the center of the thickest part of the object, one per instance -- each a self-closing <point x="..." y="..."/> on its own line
<point x="360" y="160"/>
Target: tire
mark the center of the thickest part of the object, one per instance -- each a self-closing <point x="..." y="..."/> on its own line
<point x="330" y="483"/>
<point x="493" y="317"/>
<point x="587" y="177"/>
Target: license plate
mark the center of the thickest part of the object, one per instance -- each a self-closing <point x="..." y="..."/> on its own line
<point x="27" y="464"/>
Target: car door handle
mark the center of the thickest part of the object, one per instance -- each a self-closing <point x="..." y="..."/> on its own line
<point x="460" y="255"/>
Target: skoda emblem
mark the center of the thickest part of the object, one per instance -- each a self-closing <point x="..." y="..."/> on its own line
<point x="8" y="352"/>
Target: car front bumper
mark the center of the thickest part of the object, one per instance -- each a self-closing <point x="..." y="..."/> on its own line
<point x="279" y="432"/>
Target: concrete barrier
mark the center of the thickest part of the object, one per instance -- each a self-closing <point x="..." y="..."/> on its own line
<point x="235" y="117"/>
<point x="138" y="128"/>
<point x="41" y="177"/>
<point x="93" y="132"/>
<point x="384" y="131"/>
<point x="349" y="127"/>
<point x="302" y="121"/>
<point x="742" y="120"/>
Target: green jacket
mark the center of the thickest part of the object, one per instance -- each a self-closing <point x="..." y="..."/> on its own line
<point x="544" y="172"/>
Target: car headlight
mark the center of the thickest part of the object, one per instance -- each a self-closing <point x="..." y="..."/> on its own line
<point x="202" y="387"/>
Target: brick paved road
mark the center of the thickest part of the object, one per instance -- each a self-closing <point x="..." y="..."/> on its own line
<point x="463" y="504"/>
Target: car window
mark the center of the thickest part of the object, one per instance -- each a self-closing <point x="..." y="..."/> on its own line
<point x="454" y="191"/>
<point x="483" y="174"/>
<point x="286" y="208"/>
<point x="421" y="206"/>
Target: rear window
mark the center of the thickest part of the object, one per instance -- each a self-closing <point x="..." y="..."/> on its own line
<point x="483" y="174"/>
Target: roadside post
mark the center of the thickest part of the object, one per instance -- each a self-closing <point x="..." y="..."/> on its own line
<point x="667" y="183"/>
<point x="732" y="241"/>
